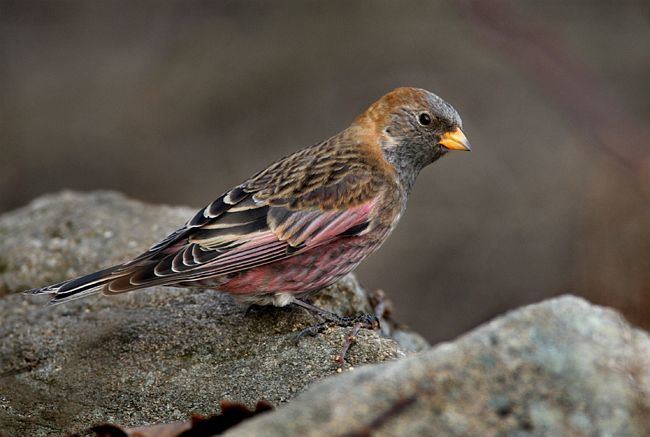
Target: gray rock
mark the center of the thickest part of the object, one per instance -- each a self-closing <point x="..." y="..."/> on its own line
<point x="153" y="355"/>
<point x="64" y="235"/>
<point x="562" y="367"/>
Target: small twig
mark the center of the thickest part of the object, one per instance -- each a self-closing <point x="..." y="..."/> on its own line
<point x="381" y="305"/>
<point x="380" y="308"/>
<point x="349" y="341"/>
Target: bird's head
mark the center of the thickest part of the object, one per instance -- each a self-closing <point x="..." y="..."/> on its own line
<point x="415" y="127"/>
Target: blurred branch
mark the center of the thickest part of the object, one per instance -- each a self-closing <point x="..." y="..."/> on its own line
<point x="585" y="99"/>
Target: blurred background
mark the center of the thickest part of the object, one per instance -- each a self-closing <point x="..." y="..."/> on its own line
<point x="175" y="101"/>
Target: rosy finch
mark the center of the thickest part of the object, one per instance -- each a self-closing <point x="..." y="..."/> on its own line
<point x="303" y="222"/>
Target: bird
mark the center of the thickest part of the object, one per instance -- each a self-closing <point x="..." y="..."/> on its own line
<point x="303" y="222"/>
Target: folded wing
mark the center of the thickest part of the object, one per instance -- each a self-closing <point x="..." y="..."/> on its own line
<point x="289" y="208"/>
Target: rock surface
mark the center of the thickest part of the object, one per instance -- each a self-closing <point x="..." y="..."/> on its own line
<point x="149" y="356"/>
<point x="562" y="367"/>
<point x="559" y="368"/>
<point x="64" y="235"/>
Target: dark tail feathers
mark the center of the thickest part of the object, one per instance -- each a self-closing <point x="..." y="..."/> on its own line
<point x="77" y="288"/>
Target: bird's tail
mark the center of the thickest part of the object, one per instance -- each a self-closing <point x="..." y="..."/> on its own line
<point x="77" y="288"/>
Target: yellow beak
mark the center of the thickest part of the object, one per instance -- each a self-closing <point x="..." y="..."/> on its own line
<point x="455" y="140"/>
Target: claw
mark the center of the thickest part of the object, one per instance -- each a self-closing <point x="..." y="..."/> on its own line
<point x="253" y="308"/>
<point x="311" y="331"/>
<point x="367" y="321"/>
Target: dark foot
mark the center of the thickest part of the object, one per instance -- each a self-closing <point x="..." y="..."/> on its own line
<point x="253" y="308"/>
<point x="368" y="321"/>
<point x="312" y="331"/>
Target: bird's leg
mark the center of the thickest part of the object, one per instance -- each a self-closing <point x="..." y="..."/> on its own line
<point x="312" y="330"/>
<point x="368" y="321"/>
<point x="327" y="315"/>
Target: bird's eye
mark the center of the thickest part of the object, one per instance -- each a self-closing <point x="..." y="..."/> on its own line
<point x="424" y="119"/>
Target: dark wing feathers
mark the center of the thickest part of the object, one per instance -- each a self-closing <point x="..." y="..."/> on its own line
<point x="218" y="237"/>
<point x="313" y="196"/>
<point x="238" y="217"/>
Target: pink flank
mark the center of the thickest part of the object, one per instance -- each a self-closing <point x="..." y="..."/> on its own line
<point x="326" y="258"/>
<point x="307" y="271"/>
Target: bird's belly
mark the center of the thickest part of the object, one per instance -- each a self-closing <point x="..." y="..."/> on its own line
<point x="303" y="273"/>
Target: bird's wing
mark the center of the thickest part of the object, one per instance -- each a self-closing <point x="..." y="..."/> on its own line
<point x="304" y="200"/>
